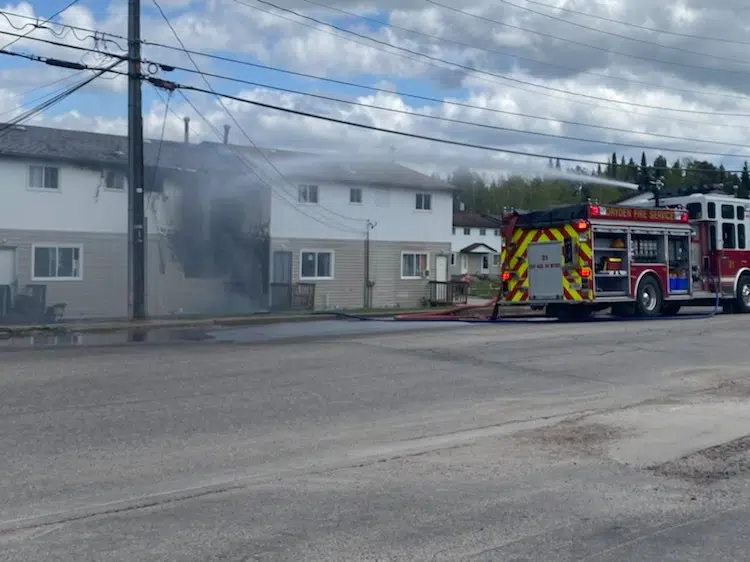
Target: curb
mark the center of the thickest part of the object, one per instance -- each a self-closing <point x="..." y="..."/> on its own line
<point x="8" y="332"/>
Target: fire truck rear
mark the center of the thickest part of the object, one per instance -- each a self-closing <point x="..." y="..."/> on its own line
<point x="579" y="259"/>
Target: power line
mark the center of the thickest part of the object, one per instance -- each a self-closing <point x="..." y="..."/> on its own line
<point x="472" y="123"/>
<point x="42" y="87"/>
<point x="229" y="113"/>
<point x="641" y="27"/>
<point x="492" y="74"/>
<point x="170" y="86"/>
<point x="587" y="45"/>
<point x="637" y="40"/>
<point x="446" y="119"/>
<point x="406" y="94"/>
<point x="37" y="110"/>
<point x="53" y="16"/>
<point x="670" y="119"/>
<point x="523" y="58"/>
<point x="102" y="36"/>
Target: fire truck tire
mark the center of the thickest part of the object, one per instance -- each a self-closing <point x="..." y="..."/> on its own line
<point x="649" y="298"/>
<point x="743" y="294"/>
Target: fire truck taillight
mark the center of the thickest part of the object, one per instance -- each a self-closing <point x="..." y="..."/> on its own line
<point x="585" y="272"/>
<point x="506" y="276"/>
<point x="581" y="225"/>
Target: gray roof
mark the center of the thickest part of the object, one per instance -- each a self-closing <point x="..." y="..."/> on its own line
<point x="64" y="145"/>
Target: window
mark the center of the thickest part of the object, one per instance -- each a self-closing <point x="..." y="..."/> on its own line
<point x="44" y="177"/>
<point x="482" y="232"/>
<point x="727" y="211"/>
<point x="308" y="194"/>
<point x="56" y="262"/>
<point x="694" y="211"/>
<point x="740" y="235"/>
<point x="485" y="262"/>
<point x="453" y="259"/>
<point x="355" y="195"/>
<point x="454" y="230"/>
<point x="467" y="232"/>
<point x="497" y="232"/>
<point x="711" y="210"/>
<point x="414" y="265"/>
<point x="424" y="202"/>
<point x="316" y="265"/>
<point x="114" y="180"/>
<point x="740" y="213"/>
<point x="495" y="259"/>
<point x="727" y="236"/>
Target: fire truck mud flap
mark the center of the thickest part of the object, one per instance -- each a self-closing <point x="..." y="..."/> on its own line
<point x="545" y="271"/>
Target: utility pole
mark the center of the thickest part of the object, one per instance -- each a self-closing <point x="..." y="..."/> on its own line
<point x="136" y="200"/>
<point x="367" y="301"/>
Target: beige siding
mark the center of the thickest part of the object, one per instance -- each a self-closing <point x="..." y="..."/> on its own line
<point x="346" y="289"/>
<point x="102" y="291"/>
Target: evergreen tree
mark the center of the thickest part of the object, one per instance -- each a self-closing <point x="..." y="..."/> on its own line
<point x="744" y="190"/>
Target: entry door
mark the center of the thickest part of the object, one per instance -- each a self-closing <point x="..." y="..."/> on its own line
<point x="7" y="278"/>
<point x="441" y="269"/>
<point x="281" y="283"/>
<point x="464" y="264"/>
<point x="7" y="266"/>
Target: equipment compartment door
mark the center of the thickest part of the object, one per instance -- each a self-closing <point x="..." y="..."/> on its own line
<point x="545" y="271"/>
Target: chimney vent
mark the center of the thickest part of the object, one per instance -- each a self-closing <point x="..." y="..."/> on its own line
<point x="226" y="134"/>
<point x="187" y="129"/>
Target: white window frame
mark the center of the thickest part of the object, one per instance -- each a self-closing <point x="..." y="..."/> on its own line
<point x="495" y="259"/>
<point x="467" y="231"/>
<point x="114" y="174"/>
<point x="425" y="197"/>
<point x="57" y="246"/>
<point x="56" y="189"/>
<point x="414" y="253"/>
<point x="453" y="259"/>
<point x="305" y="188"/>
<point x="352" y="191"/>
<point x="482" y="232"/>
<point x="497" y="232"/>
<point x="317" y="251"/>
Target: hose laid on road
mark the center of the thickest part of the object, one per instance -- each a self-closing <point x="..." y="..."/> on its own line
<point x="449" y="315"/>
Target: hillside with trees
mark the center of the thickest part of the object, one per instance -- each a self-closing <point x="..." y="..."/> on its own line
<point x="477" y="193"/>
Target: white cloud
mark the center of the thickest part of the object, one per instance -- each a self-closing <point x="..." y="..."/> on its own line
<point x="604" y="72"/>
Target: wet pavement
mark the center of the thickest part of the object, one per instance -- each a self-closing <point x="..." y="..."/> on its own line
<point x="246" y="334"/>
<point x="269" y="333"/>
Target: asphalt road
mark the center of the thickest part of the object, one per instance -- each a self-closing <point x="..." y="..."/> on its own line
<point x="603" y="442"/>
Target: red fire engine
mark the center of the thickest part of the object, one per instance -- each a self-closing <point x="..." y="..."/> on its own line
<point x="643" y="259"/>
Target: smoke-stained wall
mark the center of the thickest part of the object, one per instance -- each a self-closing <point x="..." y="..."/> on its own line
<point x="221" y="232"/>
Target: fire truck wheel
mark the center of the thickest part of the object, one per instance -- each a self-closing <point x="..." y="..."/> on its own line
<point x="648" y="297"/>
<point x="743" y="294"/>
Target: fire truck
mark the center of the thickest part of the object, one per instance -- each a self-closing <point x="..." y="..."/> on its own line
<point x="647" y="258"/>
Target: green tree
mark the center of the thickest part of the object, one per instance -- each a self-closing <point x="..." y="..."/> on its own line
<point x="744" y="190"/>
